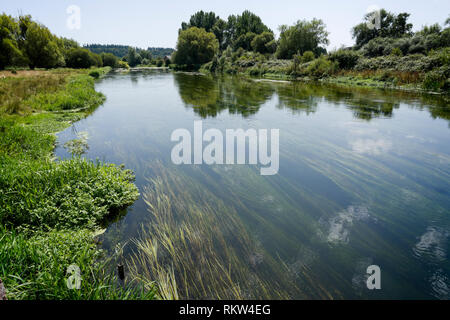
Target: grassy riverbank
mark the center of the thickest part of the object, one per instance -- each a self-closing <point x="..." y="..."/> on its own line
<point x="50" y="211"/>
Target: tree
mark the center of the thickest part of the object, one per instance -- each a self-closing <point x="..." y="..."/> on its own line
<point x="41" y="48"/>
<point x="301" y="37"/>
<point x="249" y="22"/>
<point x="238" y="27"/>
<point x="391" y="25"/>
<point x="133" y="58"/>
<point x="264" y="43"/>
<point x="10" y="53"/>
<point x="82" y="58"/>
<point x="200" y="19"/>
<point x="245" y="41"/>
<point x="109" y="60"/>
<point x="195" y="46"/>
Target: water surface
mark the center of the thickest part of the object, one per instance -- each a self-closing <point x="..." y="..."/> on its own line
<point x="364" y="179"/>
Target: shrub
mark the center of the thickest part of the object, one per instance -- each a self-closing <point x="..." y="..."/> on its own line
<point x="307" y="56"/>
<point x="346" y="59"/>
<point x="435" y="80"/>
<point x="396" y="52"/>
<point x="321" y="67"/>
<point x="264" y="43"/>
<point x="82" y="58"/>
<point x="123" y="64"/>
<point x="94" y="74"/>
<point x="109" y="60"/>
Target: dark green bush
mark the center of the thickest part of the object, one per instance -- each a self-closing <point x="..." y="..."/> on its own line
<point x="94" y="74"/>
<point x="82" y="58"/>
<point x="109" y="60"/>
<point x="346" y="59"/>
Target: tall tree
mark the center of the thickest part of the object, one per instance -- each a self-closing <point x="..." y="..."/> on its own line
<point x="391" y="25"/>
<point x="241" y="28"/>
<point x="10" y="53"/>
<point x="201" y="19"/>
<point x="41" y="47"/>
<point x="195" y="46"/>
<point x="301" y="37"/>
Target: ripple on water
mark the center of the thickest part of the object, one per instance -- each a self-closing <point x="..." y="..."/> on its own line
<point x="339" y="225"/>
<point x="431" y="244"/>
<point x="440" y="285"/>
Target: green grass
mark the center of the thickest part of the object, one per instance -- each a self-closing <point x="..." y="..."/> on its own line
<point x="78" y="93"/>
<point x="51" y="210"/>
<point x="70" y="194"/>
<point x="35" y="267"/>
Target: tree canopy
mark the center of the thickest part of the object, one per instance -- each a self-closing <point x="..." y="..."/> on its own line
<point x="391" y="25"/>
<point x="195" y="46"/>
<point x="302" y="36"/>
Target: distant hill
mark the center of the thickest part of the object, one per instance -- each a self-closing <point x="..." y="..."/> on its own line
<point x="121" y="50"/>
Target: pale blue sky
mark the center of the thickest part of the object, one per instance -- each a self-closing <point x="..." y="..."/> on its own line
<point x="155" y="23"/>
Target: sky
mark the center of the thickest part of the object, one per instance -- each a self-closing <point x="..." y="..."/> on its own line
<point x="153" y="23"/>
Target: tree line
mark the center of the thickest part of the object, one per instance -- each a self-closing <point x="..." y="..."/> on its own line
<point x="27" y="43"/>
<point x="121" y="51"/>
<point x="206" y="37"/>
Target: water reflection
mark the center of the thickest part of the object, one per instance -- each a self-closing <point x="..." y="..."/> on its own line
<point x="208" y="96"/>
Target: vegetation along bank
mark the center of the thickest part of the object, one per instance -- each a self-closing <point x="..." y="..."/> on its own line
<point x="391" y="56"/>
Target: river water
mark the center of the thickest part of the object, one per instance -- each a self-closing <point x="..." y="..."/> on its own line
<point x="363" y="179"/>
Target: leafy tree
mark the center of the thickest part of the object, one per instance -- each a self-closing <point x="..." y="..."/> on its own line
<point x="249" y="22"/>
<point x="200" y="19"/>
<point x="239" y="26"/>
<point x="82" y="58"/>
<point x="301" y="37"/>
<point x="391" y="25"/>
<point x="219" y="29"/>
<point x="195" y="46"/>
<point x="133" y="58"/>
<point x="245" y="41"/>
<point x="109" y="60"/>
<point x="41" y="48"/>
<point x="10" y="53"/>
<point x="145" y="54"/>
<point x="264" y="43"/>
<point x="433" y="29"/>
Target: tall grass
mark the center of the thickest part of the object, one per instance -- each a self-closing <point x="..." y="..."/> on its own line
<point x="61" y="89"/>
<point x="35" y="267"/>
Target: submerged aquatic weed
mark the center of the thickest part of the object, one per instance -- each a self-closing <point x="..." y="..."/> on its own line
<point x="196" y="247"/>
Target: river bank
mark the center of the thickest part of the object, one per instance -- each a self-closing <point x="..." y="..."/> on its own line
<point x="51" y="211"/>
